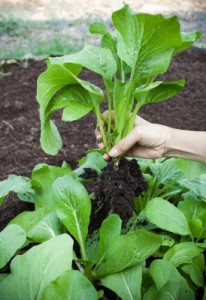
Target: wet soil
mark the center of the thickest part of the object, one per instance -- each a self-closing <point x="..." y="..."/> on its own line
<point x="19" y="121"/>
<point x="115" y="190"/>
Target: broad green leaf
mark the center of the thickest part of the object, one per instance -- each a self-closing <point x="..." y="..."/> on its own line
<point x="175" y="290"/>
<point x="71" y="285"/>
<point x="162" y="91"/>
<point x="194" y="211"/>
<point x="29" y="219"/>
<point x="166" y="216"/>
<point x="197" y="185"/>
<point x="73" y="206"/>
<point x="141" y="41"/>
<point x="126" y="284"/>
<point x="16" y="184"/>
<point x="196" y="227"/>
<point x="73" y="92"/>
<point x="46" y="229"/>
<point x="188" y="39"/>
<point x="109" y="231"/>
<point x="196" y="270"/>
<point x="34" y="270"/>
<point x="166" y="171"/>
<point x="182" y="253"/>
<point x="98" y="28"/>
<point x="140" y="245"/>
<point x="93" y="160"/>
<point x="12" y="238"/>
<point x="191" y="169"/>
<point x="43" y="176"/>
<point x="51" y="81"/>
<point x="98" y="60"/>
<point x="169" y="282"/>
<point x="50" y="138"/>
<point x="151" y="293"/>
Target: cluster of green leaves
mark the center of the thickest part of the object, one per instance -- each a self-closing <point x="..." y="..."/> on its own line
<point x="163" y="258"/>
<point x="131" y="56"/>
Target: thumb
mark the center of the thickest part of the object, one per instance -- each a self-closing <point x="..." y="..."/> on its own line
<point x="125" y="144"/>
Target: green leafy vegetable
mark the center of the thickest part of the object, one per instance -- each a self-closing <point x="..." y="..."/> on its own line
<point x="34" y="274"/>
<point x="166" y="216"/>
<point x="70" y="285"/>
<point x="129" y="60"/>
<point x="73" y="207"/>
<point x="126" y="284"/>
<point x="12" y="238"/>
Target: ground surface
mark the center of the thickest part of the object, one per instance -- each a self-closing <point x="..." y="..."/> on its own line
<point x="19" y="121"/>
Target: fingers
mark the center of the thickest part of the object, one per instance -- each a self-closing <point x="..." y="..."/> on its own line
<point x="125" y="144"/>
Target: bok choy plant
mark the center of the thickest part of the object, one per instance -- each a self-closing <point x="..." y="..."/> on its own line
<point x="131" y="56"/>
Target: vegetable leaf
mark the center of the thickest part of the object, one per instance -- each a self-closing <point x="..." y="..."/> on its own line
<point x="166" y="216"/>
<point x="140" y="245"/>
<point x="73" y="207"/>
<point x="70" y="285"/>
<point x="126" y="284"/>
<point x="14" y="183"/>
<point x="37" y="268"/>
<point x="12" y="238"/>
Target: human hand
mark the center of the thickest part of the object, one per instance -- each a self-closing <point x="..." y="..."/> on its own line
<point x="146" y="140"/>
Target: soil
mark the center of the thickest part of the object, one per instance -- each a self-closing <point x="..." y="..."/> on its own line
<point x="19" y="121"/>
<point x="115" y="190"/>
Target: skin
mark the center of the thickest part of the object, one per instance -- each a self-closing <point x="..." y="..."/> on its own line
<point x="148" y="140"/>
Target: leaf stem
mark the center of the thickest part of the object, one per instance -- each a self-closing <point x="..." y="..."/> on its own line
<point x="100" y="124"/>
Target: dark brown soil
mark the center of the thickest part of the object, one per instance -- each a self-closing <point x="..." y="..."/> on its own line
<point x="115" y="190"/>
<point x="19" y="122"/>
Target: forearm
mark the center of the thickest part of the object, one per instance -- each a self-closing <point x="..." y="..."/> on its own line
<point x="187" y="144"/>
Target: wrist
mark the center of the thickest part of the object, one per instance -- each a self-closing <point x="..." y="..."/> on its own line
<point x="186" y="144"/>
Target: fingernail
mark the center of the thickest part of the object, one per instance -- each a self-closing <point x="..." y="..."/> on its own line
<point x="113" y="152"/>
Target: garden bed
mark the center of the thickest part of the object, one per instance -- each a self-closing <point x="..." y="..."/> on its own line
<point x="19" y="121"/>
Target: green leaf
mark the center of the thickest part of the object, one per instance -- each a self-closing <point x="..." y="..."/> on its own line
<point x="71" y="91"/>
<point x="196" y="270"/>
<point x="71" y="285"/>
<point x="169" y="282"/>
<point x="158" y="91"/>
<point x="93" y="160"/>
<point x="195" y="212"/>
<point x="98" y="60"/>
<point x="73" y="206"/>
<point x="188" y="39"/>
<point x="197" y="185"/>
<point x="140" y="245"/>
<point x="191" y="169"/>
<point x="43" y="176"/>
<point x="109" y="231"/>
<point x="182" y="253"/>
<point x="16" y="184"/>
<point x="126" y="284"/>
<point x="12" y="238"/>
<point x="28" y="219"/>
<point x="98" y="28"/>
<point x="166" y="216"/>
<point x="166" y="171"/>
<point x="51" y="81"/>
<point x="141" y="42"/>
<point x="46" y="229"/>
<point x="34" y="270"/>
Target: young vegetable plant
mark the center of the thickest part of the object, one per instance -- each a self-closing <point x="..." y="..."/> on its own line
<point x="131" y="56"/>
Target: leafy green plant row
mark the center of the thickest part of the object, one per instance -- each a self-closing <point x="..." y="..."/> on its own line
<point x="159" y="254"/>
